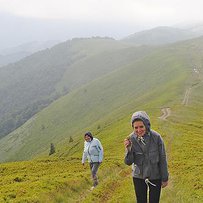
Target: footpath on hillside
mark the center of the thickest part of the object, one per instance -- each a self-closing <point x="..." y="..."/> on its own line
<point x="166" y="111"/>
<point x="188" y="91"/>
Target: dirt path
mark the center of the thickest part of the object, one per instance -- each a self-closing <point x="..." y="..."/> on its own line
<point x="110" y="186"/>
<point x="166" y="112"/>
<point x="188" y="91"/>
<point x="186" y="97"/>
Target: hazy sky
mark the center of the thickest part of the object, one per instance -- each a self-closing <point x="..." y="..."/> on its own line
<point x="114" y="18"/>
<point x="156" y="11"/>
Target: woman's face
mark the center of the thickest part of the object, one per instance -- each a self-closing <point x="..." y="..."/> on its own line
<point x="87" y="138"/>
<point x="139" y="128"/>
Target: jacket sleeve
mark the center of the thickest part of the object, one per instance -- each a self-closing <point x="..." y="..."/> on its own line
<point x="84" y="156"/>
<point x="101" y="150"/>
<point x="129" y="157"/>
<point x="163" y="161"/>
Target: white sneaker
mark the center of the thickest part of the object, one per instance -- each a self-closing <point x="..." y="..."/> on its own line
<point x="92" y="188"/>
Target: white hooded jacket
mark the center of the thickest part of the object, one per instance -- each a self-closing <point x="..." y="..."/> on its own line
<point x="93" y="151"/>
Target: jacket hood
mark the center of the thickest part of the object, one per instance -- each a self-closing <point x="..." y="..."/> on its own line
<point x="141" y="115"/>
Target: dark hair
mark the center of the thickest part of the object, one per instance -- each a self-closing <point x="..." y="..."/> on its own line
<point x="89" y="134"/>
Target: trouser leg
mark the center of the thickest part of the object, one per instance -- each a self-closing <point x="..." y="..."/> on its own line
<point x="154" y="192"/>
<point x="94" y="168"/>
<point x="140" y="190"/>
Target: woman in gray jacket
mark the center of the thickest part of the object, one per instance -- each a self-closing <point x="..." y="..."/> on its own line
<point x="145" y="151"/>
<point x="93" y="151"/>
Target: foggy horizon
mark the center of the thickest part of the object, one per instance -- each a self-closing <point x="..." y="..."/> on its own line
<point x="23" y="22"/>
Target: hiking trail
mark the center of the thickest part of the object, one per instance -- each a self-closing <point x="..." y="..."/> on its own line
<point x="186" y="97"/>
<point x="188" y="91"/>
<point x="166" y="112"/>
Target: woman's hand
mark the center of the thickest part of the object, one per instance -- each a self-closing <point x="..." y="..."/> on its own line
<point x="128" y="144"/>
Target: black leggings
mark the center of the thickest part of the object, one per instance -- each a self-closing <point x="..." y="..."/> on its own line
<point x="141" y="190"/>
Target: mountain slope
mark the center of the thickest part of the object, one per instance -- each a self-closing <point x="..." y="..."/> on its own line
<point x="150" y="76"/>
<point x="159" y="80"/>
<point x="41" y="73"/>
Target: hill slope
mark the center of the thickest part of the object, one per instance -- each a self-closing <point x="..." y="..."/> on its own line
<point x="30" y="85"/>
<point x="98" y="98"/>
<point x="159" y="80"/>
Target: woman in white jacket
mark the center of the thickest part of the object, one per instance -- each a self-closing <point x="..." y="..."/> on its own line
<point x="93" y="151"/>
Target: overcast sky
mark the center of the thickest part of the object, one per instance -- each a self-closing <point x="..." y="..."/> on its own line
<point x="113" y="18"/>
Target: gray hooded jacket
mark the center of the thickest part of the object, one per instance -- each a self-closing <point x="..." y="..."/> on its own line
<point x="149" y="160"/>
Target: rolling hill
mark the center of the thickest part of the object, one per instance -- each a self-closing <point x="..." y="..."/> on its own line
<point x="108" y="92"/>
<point x="104" y="106"/>
<point x="34" y="82"/>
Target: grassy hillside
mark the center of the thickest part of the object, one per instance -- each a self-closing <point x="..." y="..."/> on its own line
<point x="148" y="77"/>
<point x="159" y="80"/>
<point x="26" y="87"/>
<point x="63" y="179"/>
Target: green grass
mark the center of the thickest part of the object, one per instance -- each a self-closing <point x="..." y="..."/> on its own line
<point x="27" y="181"/>
<point x="63" y="179"/>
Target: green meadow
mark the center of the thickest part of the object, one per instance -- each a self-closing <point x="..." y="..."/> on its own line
<point x="104" y="106"/>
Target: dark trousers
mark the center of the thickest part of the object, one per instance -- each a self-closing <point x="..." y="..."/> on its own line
<point x="141" y="190"/>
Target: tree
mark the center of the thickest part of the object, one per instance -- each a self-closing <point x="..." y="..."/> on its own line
<point x="71" y="139"/>
<point x="52" y="149"/>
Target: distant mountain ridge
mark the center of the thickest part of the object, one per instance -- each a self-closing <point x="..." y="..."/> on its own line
<point x="156" y="36"/>
<point x="13" y="54"/>
<point x="162" y="35"/>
